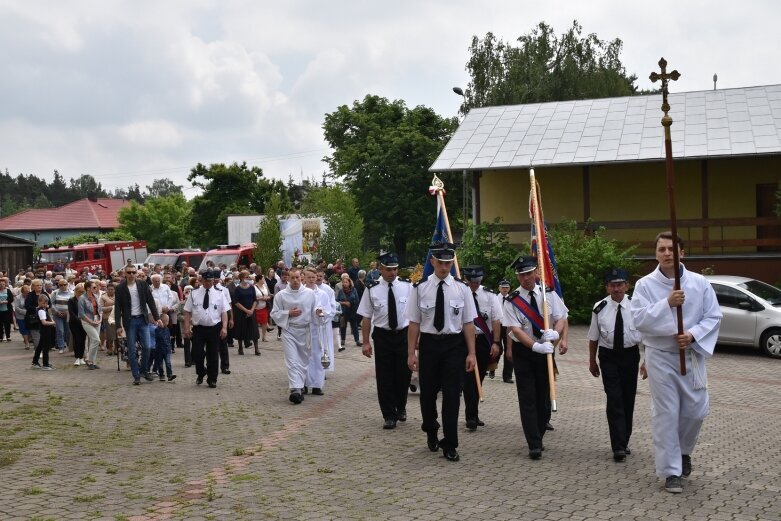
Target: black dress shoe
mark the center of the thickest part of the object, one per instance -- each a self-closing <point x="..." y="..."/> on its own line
<point x="389" y="424"/>
<point x="480" y="423"/>
<point x="317" y="391"/>
<point x="628" y="452"/>
<point x="619" y="456"/>
<point x="451" y="454"/>
<point x="508" y="381"/>
<point x="226" y="371"/>
<point x="136" y="381"/>
<point x="401" y="415"/>
<point x="432" y="441"/>
<point x="199" y="380"/>
<point x="211" y="384"/>
<point x="549" y="427"/>
<point x="471" y="425"/>
<point x="535" y="453"/>
<point x="188" y="365"/>
<point x="305" y="390"/>
<point x="296" y="398"/>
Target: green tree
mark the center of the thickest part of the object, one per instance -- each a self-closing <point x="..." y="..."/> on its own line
<point x="382" y="151"/>
<point x="544" y="67"/>
<point x="86" y="186"/>
<point x="488" y="245"/>
<point x="343" y="223"/>
<point x="162" y="188"/>
<point x="234" y="189"/>
<point x="162" y="221"/>
<point x="583" y="259"/>
<point x="116" y="235"/>
<point x="268" y="245"/>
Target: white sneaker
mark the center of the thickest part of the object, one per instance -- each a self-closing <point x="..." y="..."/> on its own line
<point x="82" y="362"/>
<point x="77" y="362"/>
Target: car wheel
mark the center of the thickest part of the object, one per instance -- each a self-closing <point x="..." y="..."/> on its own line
<point x="771" y="343"/>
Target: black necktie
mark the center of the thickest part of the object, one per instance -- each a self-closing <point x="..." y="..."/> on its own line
<point x="439" y="309"/>
<point x="393" y="320"/>
<point x="618" y="336"/>
<point x="533" y="303"/>
<point x="206" y="300"/>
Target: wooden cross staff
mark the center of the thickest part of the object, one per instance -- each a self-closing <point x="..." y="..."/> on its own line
<point x="667" y="122"/>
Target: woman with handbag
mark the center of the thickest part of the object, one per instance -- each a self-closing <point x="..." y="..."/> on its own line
<point x="89" y="313"/>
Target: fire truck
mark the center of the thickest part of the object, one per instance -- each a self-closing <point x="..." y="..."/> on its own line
<point x="108" y="256"/>
<point x="230" y="255"/>
<point x="175" y="257"/>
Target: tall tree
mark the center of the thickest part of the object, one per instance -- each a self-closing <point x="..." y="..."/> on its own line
<point x="234" y="189"/>
<point x="344" y="226"/>
<point x="162" y="188"/>
<point x="544" y="67"/>
<point x="382" y="150"/>
<point x="268" y="245"/>
<point x="162" y="221"/>
<point x="85" y="186"/>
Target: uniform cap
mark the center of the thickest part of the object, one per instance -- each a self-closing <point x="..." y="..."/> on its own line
<point x="617" y="275"/>
<point x="504" y="283"/>
<point x="443" y="251"/>
<point x="209" y="274"/>
<point x="473" y="272"/>
<point x="524" y="264"/>
<point x="389" y="260"/>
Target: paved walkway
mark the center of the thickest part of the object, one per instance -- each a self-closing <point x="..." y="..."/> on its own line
<point x="78" y="444"/>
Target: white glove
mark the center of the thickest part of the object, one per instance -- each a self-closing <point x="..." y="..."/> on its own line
<point x="544" y="348"/>
<point x="550" y="335"/>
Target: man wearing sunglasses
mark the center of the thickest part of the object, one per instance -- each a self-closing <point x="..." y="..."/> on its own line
<point x="133" y="298"/>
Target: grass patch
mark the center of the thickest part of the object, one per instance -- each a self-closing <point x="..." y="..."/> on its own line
<point x="42" y="471"/>
<point x="238" y="452"/>
<point x="244" y="477"/>
<point x="87" y="479"/>
<point x="325" y="470"/>
<point x="89" y="499"/>
<point x="33" y="491"/>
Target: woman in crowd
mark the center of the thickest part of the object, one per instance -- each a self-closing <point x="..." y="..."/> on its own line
<point x="31" y="308"/>
<point x="245" y="326"/>
<point x="107" y="311"/>
<point x="263" y="300"/>
<point x="271" y="283"/>
<point x="78" y="334"/>
<point x="348" y="298"/>
<point x="89" y="313"/>
<point x="19" y="313"/>
<point x="6" y="310"/>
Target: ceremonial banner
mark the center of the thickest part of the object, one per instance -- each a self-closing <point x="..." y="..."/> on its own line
<point x="540" y="240"/>
<point x="440" y="235"/>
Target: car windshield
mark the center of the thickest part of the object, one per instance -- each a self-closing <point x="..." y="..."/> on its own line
<point x="56" y="256"/>
<point x="220" y="258"/>
<point x="765" y="291"/>
<point x="162" y="259"/>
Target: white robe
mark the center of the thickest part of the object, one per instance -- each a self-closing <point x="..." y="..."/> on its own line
<point x="295" y="331"/>
<point x="320" y="332"/>
<point x="332" y="333"/>
<point x="679" y="404"/>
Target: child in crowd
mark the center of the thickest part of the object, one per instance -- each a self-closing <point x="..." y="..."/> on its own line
<point x="47" y="329"/>
<point x="163" y="349"/>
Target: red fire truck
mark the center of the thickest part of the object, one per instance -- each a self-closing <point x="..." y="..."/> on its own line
<point x="230" y="255"/>
<point x="109" y="256"/>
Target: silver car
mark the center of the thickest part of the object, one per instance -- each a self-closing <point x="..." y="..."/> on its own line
<point x="752" y="313"/>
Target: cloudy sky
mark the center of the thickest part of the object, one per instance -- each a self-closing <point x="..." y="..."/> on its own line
<point x="131" y="91"/>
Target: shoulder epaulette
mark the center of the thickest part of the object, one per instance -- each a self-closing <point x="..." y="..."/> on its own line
<point x="548" y="290"/>
<point x="424" y="279"/>
<point x="403" y="280"/>
<point x="512" y="295"/>
<point x="462" y="281"/>
<point x="372" y="284"/>
<point x="218" y="289"/>
<point x="599" y="307"/>
<point x="628" y="297"/>
<point x="489" y="290"/>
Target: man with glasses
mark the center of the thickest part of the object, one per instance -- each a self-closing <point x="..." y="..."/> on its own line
<point x="384" y="304"/>
<point x="133" y="298"/>
<point x="59" y="300"/>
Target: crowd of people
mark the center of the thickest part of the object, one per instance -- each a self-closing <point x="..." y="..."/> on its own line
<point x="452" y="332"/>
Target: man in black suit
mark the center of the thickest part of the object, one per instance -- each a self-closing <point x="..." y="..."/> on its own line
<point x="132" y="304"/>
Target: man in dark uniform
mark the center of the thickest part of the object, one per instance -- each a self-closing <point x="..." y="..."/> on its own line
<point x="507" y="364"/>
<point x="487" y="338"/>
<point x="206" y="321"/>
<point x="383" y="305"/>
<point x="612" y="331"/>
<point x="440" y="310"/>
<point x="531" y="344"/>
<point x="224" y="354"/>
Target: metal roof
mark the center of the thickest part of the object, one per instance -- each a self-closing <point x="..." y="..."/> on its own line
<point x="714" y="123"/>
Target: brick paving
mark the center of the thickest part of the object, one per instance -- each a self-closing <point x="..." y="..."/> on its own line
<point x="78" y="444"/>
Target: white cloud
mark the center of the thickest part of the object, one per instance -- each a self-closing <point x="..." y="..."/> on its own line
<point x="153" y="134"/>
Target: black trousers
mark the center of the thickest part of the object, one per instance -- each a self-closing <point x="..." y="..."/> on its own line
<point x="471" y="397"/>
<point x="206" y="343"/>
<point x="441" y="360"/>
<point x="507" y="366"/>
<point x="5" y="322"/>
<point x="188" y="359"/>
<point x="619" y="378"/>
<point x="390" y="367"/>
<point x="79" y="337"/>
<point x="225" y="361"/>
<point x="532" y="384"/>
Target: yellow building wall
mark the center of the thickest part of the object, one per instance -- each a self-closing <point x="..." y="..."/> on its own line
<point x="634" y="192"/>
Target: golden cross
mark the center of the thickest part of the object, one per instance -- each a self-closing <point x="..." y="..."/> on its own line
<point x="664" y="76"/>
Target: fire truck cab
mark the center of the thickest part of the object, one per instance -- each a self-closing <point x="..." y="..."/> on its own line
<point x="230" y="255"/>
